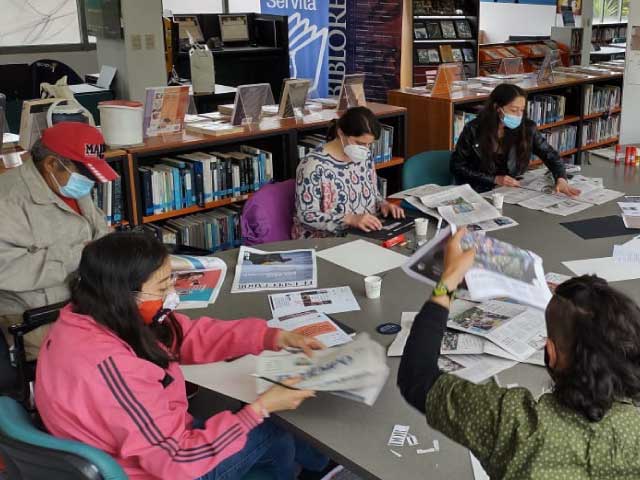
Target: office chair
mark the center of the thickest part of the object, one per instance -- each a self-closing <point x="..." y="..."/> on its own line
<point x="427" y="167"/>
<point x="50" y="71"/>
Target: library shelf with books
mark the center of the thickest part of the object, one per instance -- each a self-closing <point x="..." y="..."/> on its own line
<point x="571" y="39"/>
<point x="114" y="198"/>
<point x="605" y="33"/>
<point x="435" y="122"/>
<point x="531" y="52"/>
<point x="444" y="31"/>
<point x="245" y="160"/>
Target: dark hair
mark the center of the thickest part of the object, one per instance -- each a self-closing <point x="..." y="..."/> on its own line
<point x="111" y="269"/>
<point x="597" y="329"/>
<point x="39" y="152"/>
<point x="355" y="122"/>
<point x="488" y="123"/>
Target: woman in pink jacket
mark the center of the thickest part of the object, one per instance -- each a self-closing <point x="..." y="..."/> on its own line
<point x="108" y="374"/>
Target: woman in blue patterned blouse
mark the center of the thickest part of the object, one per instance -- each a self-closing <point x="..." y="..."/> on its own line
<point x="336" y="184"/>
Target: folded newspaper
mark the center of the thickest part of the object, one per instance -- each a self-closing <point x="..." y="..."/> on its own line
<point x="501" y="270"/>
<point x="355" y="370"/>
<point x="197" y="280"/>
<point x="258" y="270"/>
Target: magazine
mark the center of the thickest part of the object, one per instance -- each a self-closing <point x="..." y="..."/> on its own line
<point x="165" y="109"/>
<point x="326" y="300"/>
<point x="312" y="324"/>
<point x="501" y="270"/>
<point x="197" y="280"/>
<point x="356" y="370"/>
<point x="258" y="270"/>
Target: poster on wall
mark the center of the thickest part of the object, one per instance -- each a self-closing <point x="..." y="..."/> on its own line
<point x="575" y="5"/>
<point x="308" y="39"/>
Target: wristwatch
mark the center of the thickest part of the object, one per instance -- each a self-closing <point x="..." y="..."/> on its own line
<point x="441" y="290"/>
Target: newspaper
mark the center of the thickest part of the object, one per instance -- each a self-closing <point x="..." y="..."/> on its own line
<point x="356" y="370"/>
<point x="512" y="195"/>
<point x="541" y="201"/>
<point x="312" y="324"/>
<point x="197" y="280"/>
<point x="566" y="207"/>
<point x="474" y="368"/>
<point x="500" y="269"/>
<point x="518" y="330"/>
<point x="460" y="205"/>
<point x="327" y="300"/>
<point x="555" y="279"/>
<point x="492" y="225"/>
<point x="257" y="270"/>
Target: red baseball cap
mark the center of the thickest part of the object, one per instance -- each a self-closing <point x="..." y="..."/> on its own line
<point x="81" y="143"/>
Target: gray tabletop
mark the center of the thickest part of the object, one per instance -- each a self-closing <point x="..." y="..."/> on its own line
<point x="357" y="435"/>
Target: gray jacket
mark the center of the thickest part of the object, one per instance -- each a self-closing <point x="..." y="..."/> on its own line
<point x="41" y="240"/>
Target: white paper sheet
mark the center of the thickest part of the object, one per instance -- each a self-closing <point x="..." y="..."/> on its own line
<point x="358" y="256"/>
<point x="492" y="225"/>
<point x="232" y="379"/>
<point x="606" y="267"/>
<point x="566" y="207"/>
<point x="460" y="205"/>
<point x="478" y="368"/>
<point x="312" y="324"/>
<point x="626" y="255"/>
<point x="513" y="195"/>
<point x="540" y="202"/>
<point x="326" y="300"/>
<point x="600" y="196"/>
<point x="478" y="471"/>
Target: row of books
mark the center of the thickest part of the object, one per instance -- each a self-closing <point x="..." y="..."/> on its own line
<point x="442" y="29"/>
<point x="110" y="198"/>
<point x="444" y="54"/>
<point x="199" y="178"/>
<point x="576" y="40"/>
<point x="604" y="35"/>
<point x="561" y="138"/>
<point x="601" y="99"/>
<point x="544" y="109"/>
<point x="438" y="7"/>
<point x="215" y="230"/>
<point x="460" y="119"/>
<point x="381" y="149"/>
<point x="600" y="129"/>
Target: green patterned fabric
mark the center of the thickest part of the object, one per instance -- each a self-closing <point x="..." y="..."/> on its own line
<point x="516" y="437"/>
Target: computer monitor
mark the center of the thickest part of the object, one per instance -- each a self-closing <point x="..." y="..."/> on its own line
<point x="189" y="28"/>
<point x="16" y="80"/>
<point x="234" y="28"/>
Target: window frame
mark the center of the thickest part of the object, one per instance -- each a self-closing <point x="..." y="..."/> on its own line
<point x="83" y="46"/>
<point x="600" y="21"/>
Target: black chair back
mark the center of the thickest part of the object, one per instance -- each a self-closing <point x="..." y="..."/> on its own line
<point x="50" y="71"/>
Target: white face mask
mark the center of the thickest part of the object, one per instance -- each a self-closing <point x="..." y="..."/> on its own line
<point x="356" y="153"/>
<point x="171" y="302"/>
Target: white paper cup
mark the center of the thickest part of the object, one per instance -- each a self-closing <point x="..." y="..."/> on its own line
<point x="498" y="200"/>
<point x="422" y="226"/>
<point x="373" y="286"/>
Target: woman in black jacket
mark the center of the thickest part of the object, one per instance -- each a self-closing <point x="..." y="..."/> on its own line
<point x="496" y="147"/>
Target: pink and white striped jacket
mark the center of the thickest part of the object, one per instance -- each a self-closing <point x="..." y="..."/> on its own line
<point x="91" y="387"/>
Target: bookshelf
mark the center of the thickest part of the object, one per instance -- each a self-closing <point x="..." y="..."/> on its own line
<point x="531" y="52"/>
<point x="277" y="136"/>
<point x="603" y="34"/>
<point x="571" y="39"/>
<point x="431" y="120"/>
<point x="444" y="31"/>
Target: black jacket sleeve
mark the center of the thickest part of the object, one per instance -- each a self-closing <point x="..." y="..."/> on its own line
<point x="419" y="365"/>
<point x="548" y="155"/>
<point x="464" y="161"/>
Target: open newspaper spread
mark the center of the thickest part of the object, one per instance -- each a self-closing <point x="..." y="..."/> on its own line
<point x="501" y="270"/>
<point x="197" y="280"/>
<point x="356" y="370"/>
<point x="258" y="270"/>
<point x="312" y="324"/>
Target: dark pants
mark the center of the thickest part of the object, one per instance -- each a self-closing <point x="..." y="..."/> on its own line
<point x="271" y="449"/>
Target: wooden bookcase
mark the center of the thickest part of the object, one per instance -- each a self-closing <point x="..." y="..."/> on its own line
<point x="532" y="54"/>
<point x="430" y="118"/>
<point x="280" y="137"/>
<point x="435" y="13"/>
<point x="603" y="33"/>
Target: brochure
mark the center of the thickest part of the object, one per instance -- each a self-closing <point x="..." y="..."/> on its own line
<point x="312" y="324"/>
<point x="197" y="280"/>
<point x="326" y="300"/>
<point x="258" y="270"/>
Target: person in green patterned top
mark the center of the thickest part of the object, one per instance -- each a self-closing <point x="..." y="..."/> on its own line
<point x="588" y="426"/>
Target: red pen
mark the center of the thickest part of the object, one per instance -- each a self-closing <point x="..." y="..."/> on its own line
<point x="392" y="242"/>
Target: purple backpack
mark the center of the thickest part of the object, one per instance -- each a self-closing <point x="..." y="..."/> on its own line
<point x="268" y="215"/>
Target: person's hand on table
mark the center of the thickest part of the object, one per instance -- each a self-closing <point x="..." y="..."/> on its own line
<point x="295" y="340"/>
<point x="365" y="222"/>
<point x="278" y="398"/>
<point x="506" y="181"/>
<point x="388" y="208"/>
<point x="562" y="186"/>
<point x="457" y="263"/>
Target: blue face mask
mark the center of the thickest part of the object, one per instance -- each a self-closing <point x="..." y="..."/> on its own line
<point x="77" y="186"/>
<point x="511" y="121"/>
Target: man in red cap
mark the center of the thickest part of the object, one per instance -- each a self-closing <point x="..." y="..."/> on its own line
<point x="47" y="216"/>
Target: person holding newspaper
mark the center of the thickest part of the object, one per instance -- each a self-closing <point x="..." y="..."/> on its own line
<point x="336" y="184"/>
<point x="588" y="427"/>
<point x="108" y="373"/>
<point x="495" y="148"/>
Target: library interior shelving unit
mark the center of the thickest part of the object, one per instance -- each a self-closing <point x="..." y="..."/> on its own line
<point x="444" y="31"/>
<point x="434" y="121"/>
<point x="278" y="136"/>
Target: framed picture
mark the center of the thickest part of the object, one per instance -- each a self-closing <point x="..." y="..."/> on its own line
<point x="468" y="55"/>
<point x="434" y="32"/>
<point x="457" y="55"/>
<point x="464" y="29"/>
<point x="434" y="56"/>
<point x="423" y="56"/>
<point x="448" y="30"/>
<point x="419" y="31"/>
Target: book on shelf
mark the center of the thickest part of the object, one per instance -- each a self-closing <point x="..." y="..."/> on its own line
<point x="381" y="149"/>
<point x="434" y="32"/>
<point x="469" y="56"/>
<point x="438" y="7"/>
<point x="446" y="54"/>
<point x="505" y="52"/>
<point x="457" y="55"/>
<point x="165" y="109"/>
<point x="562" y="138"/>
<point x="492" y="53"/>
<point x="419" y="31"/>
<point x="544" y="109"/>
<point x="110" y="198"/>
<point x="460" y="119"/>
<point x="213" y="128"/>
<point x="448" y="29"/>
<point x="600" y="129"/>
<point x="463" y="28"/>
<point x="601" y="98"/>
<point x="514" y="51"/>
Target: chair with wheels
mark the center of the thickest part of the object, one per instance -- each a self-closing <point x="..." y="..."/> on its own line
<point x="427" y="167"/>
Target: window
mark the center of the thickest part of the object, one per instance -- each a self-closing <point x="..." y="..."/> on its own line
<point x="625" y="9"/>
<point x="610" y="11"/>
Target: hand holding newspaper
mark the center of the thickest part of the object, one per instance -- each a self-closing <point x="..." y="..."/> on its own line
<point x="356" y="370"/>
<point x="500" y="270"/>
<point x="197" y="280"/>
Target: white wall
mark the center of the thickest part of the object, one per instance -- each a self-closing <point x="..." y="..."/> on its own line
<point x="499" y="20"/>
<point x="630" y="126"/>
<point x="81" y="62"/>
